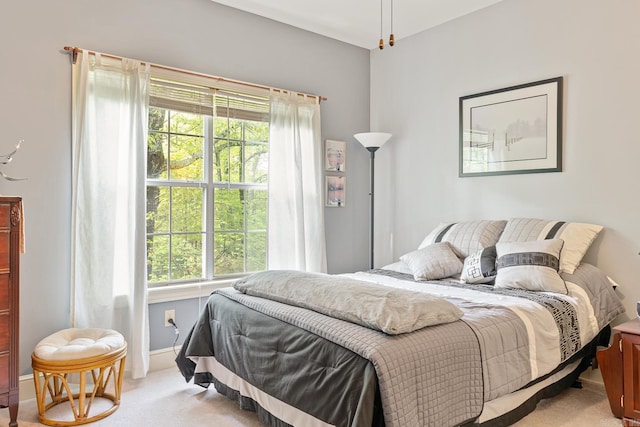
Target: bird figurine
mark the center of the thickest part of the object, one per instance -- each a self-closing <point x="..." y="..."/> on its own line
<point x="6" y="159"/>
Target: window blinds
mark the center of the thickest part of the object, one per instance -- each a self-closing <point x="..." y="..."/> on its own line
<point x="201" y="100"/>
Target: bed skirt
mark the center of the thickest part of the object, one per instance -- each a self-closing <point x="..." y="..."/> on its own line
<point x="503" y="411"/>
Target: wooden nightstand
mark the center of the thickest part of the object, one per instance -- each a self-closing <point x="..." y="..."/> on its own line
<point x="620" y="367"/>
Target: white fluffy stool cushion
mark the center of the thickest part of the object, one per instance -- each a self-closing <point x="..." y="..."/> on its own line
<point x="78" y="343"/>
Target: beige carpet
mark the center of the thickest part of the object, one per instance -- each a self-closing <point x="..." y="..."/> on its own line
<point x="164" y="399"/>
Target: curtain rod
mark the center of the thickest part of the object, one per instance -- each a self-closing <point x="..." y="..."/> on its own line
<point x="74" y="56"/>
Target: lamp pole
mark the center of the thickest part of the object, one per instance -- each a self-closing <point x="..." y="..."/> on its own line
<point x="372" y="150"/>
<point x="372" y="141"/>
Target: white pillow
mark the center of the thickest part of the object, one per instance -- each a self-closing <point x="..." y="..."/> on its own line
<point x="530" y="265"/>
<point x="398" y="267"/>
<point x="433" y="262"/>
<point x="466" y="237"/>
<point x="577" y="237"/>
<point x="480" y="267"/>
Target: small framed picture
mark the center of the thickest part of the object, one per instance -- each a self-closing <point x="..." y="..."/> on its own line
<point x="335" y="187"/>
<point x="335" y="155"/>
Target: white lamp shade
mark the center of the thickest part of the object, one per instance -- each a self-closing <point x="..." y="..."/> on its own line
<point x="372" y="139"/>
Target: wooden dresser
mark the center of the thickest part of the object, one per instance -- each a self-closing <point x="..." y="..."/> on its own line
<point x="10" y="248"/>
<point x="620" y="367"/>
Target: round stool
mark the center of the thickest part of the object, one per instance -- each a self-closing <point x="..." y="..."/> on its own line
<point x="99" y="351"/>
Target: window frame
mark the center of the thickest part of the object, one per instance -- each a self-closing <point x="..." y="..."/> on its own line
<point x="191" y="287"/>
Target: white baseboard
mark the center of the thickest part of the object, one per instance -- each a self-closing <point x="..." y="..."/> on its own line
<point x="593" y="376"/>
<point x="26" y="388"/>
<point x="163" y="358"/>
<point x="158" y="360"/>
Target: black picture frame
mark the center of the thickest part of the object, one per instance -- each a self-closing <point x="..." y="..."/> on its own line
<point x="514" y="130"/>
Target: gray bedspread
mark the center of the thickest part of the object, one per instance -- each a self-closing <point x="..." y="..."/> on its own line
<point x="310" y="373"/>
<point x="436" y="376"/>
<point x="431" y="377"/>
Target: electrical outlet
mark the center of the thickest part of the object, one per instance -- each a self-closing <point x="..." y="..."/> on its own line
<point x="169" y="314"/>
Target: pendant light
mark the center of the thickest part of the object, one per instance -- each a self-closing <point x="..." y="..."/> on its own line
<point x="381" y="44"/>
<point x="392" y="39"/>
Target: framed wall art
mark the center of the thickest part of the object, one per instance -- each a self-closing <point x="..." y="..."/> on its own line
<point x="335" y="190"/>
<point x="335" y="156"/>
<point x="513" y="130"/>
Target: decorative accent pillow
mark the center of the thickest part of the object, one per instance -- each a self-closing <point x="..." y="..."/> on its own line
<point x="466" y="237"/>
<point x="530" y="265"/>
<point x="399" y="267"/>
<point x="480" y="267"/>
<point x="433" y="262"/>
<point x="577" y="237"/>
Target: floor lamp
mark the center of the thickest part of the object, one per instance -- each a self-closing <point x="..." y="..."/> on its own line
<point x="372" y="141"/>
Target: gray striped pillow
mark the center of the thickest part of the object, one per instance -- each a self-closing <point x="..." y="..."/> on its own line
<point x="467" y="237"/>
<point x="577" y="237"/>
<point x="530" y="265"/>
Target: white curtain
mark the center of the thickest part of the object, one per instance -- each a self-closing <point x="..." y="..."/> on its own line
<point x="108" y="280"/>
<point x="296" y="208"/>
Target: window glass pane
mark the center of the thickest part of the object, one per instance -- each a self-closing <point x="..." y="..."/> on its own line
<point x="220" y="160"/>
<point x="256" y="202"/>
<point x="157" y="149"/>
<point x="235" y="129"/>
<point x="158" y="119"/>
<point x="186" y="256"/>
<point x="228" y="253"/>
<point x="256" y="163"/>
<point x="186" y="123"/>
<point x="228" y="210"/>
<point x="157" y="209"/>
<point x="221" y="127"/>
<point x="186" y="210"/>
<point x="256" y="131"/>
<point x="227" y="128"/>
<point x="157" y="258"/>
<point x="235" y="163"/>
<point x="186" y="158"/>
<point x="256" y="251"/>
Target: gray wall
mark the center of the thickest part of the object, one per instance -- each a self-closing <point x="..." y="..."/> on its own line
<point x="196" y="35"/>
<point x="593" y="45"/>
<point x="417" y="83"/>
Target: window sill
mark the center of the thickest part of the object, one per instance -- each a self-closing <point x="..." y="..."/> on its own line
<point x="188" y="291"/>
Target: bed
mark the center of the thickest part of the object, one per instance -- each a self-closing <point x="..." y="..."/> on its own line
<point x="476" y="326"/>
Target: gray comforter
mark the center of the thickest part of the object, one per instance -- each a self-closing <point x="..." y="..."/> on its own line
<point x="435" y="376"/>
<point x="404" y="364"/>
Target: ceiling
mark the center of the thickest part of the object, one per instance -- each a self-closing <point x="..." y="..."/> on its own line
<point x="357" y="22"/>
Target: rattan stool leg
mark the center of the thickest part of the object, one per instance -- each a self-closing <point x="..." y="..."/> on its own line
<point x="39" y="391"/>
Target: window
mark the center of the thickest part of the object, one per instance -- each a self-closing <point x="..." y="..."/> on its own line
<point x="207" y="166"/>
